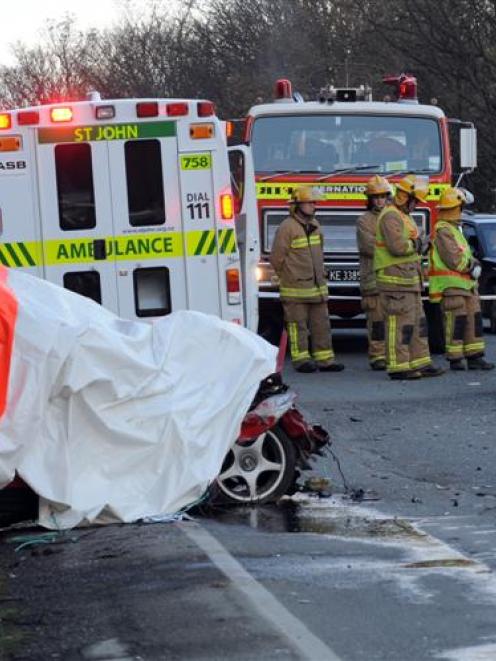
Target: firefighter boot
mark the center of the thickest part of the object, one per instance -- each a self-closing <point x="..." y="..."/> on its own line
<point x="378" y="365"/>
<point x="306" y="367"/>
<point x="332" y="367"/>
<point x="457" y="365"/>
<point x="432" y="370"/>
<point x="405" y="376"/>
<point x="479" y="364"/>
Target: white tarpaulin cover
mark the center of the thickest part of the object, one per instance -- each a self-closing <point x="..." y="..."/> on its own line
<point x="108" y="419"/>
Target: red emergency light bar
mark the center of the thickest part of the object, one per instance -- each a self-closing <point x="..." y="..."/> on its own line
<point x="283" y="90"/>
<point x="177" y="109"/>
<point x="205" y="108"/>
<point x="147" y="109"/>
<point x="405" y="87"/>
<point x="28" y="117"/>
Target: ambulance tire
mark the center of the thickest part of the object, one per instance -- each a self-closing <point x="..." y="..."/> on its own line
<point x="257" y="472"/>
<point x="435" y="327"/>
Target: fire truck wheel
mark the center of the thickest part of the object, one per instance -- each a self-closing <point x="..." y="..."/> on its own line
<point x="257" y="472"/>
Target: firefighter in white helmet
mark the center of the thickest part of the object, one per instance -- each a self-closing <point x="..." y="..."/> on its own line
<point x="298" y="260"/>
<point x="378" y="194"/>
<point x="453" y="274"/>
<point x="397" y="255"/>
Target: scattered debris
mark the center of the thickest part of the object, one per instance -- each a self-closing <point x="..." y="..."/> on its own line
<point x="446" y="562"/>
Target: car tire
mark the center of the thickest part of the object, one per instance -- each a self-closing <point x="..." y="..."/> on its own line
<point x="492" y="313"/>
<point x="257" y="472"/>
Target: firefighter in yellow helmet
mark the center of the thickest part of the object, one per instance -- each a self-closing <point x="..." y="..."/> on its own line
<point x="453" y="274"/>
<point x="298" y="259"/>
<point x="397" y="255"/>
<point x="378" y="194"/>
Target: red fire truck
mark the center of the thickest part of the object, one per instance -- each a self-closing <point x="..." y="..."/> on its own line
<point x="337" y="143"/>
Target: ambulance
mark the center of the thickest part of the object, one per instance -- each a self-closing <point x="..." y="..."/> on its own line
<point x="127" y="202"/>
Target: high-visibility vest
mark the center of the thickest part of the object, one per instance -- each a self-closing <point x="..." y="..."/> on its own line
<point x="383" y="258"/>
<point x="440" y="276"/>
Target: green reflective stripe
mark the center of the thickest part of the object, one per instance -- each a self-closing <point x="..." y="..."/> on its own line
<point x="12" y="253"/>
<point x="397" y="280"/>
<point x="326" y="354"/>
<point x="19" y="254"/>
<point x="448" y="328"/>
<point x="26" y="254"/>
<point x="212" y="248"/>
<point x="313" y="292"/>
<point x="294" y="348"/>
<point x="420" y="362"/>
<point x="475" y="346"/>
<point x="227" y="241"/>
<point x="391" y="321"/>
<point x="304" y="242"/>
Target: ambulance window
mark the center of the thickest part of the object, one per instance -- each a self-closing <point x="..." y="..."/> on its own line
<point x="76" y="197"/>
<point x="86" y="283"/>
<point x="145" y="189"/>
<point x="152" y="291"/>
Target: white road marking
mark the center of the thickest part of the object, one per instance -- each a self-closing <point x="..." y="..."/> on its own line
<point x="309" y="646"/>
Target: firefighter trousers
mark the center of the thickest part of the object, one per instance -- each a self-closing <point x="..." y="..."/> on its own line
<point x="407" y="346"/>
<point x="376" y="327"/>
<point x="463" y="326"/>
<point x="309" y="332"/>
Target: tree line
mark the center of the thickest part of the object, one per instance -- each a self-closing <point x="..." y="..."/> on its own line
<point x="232" y="51"/>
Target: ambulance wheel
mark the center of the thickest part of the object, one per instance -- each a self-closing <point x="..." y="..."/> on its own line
<point x="435" y="327"/>
<point x="258" y="472"/>
<point x="270" y="327"/>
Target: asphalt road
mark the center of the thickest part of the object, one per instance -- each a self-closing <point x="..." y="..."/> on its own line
<point x="405" y="574"/>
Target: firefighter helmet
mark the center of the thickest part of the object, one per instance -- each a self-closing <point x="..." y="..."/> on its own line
<point x="451" y="198"/>
<point x="305" y="194"/>
<point x="417" y="187"/>
<point x="377" y="185"/>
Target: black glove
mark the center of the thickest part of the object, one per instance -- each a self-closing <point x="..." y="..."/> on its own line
<point x="417" y="244"/>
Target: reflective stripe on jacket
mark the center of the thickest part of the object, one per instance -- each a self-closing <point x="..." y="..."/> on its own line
<point x="449" y="261"/>
<point x="298" y="259"/>
<point x="396" y="262"/>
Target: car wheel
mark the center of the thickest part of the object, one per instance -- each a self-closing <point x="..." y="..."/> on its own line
<point x="258" y="472"/>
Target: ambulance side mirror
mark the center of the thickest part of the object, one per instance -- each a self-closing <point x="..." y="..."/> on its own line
<point x="468" y="148"/>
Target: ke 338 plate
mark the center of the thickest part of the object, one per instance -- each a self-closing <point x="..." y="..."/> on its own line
<point x="344" y="275"/>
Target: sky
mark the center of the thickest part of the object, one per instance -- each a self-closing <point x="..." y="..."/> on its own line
<point x="25" y="21"/>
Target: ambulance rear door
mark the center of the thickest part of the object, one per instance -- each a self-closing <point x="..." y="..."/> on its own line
<point x="148" y="245"/>
<point x="76" y="214"/>
<point x="198" y="207"/>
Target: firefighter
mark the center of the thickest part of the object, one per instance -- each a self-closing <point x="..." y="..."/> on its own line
<point x="378" y="193"/>
<point x="298" y="260"/>
<point x="453" y="275"/>
<point x="397" y="256"/>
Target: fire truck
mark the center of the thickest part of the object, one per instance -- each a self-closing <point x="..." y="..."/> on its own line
<point x="125" y="201"/>
<point x="337" y="143"/>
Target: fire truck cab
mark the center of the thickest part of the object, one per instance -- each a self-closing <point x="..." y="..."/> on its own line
<point x="125" y="201"/>
<point x="337" y="143"/>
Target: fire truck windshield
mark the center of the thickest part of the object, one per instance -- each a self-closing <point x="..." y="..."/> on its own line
<point x="325" y="143"/>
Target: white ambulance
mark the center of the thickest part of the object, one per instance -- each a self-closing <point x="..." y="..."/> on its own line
<point x="125" y="201"/>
